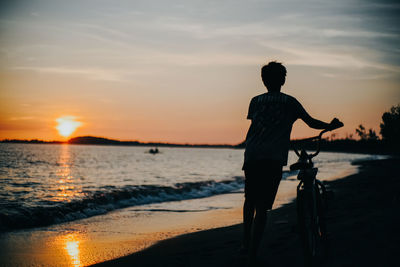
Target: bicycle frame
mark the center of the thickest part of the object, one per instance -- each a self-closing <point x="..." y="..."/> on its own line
<point x="310" y="192"/>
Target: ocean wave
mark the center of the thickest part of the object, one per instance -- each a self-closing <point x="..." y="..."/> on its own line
<point x="107" y="198"/>
<point x="14" y="216"/>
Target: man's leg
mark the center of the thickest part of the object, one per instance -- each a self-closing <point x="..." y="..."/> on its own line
<point x="248" y="216"/>
<point x="260" y="220"/>
<point x="258" y="231"/>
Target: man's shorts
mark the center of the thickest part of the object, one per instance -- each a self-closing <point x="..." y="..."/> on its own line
<point x="262" y="180"/>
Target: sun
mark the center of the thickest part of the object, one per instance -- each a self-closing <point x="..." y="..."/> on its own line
<point x="66" y="125"/>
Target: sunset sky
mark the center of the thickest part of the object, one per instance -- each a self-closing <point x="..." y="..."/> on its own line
<point x="185" y="71"/>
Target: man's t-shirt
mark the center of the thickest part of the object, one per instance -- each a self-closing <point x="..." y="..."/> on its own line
<point x="272" y="115"/>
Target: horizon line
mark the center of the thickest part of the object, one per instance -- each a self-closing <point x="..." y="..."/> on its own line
<point x="122" y="141"/>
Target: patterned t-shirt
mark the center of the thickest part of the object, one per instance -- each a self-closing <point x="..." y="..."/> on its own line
<point x="272" y="115"/>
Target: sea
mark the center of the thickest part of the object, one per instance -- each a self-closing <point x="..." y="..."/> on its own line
<point x="75" y="205"/>
<point x="42" y="184"/>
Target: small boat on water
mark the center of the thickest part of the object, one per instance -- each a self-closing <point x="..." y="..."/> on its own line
<point x="154" y="151"/>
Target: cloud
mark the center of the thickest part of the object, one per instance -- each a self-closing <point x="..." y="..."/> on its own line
<point x="90" y="73"/>
<point x="357" y="34"/>
<point x="331" y="56"/>
<point x="123" y="40"/>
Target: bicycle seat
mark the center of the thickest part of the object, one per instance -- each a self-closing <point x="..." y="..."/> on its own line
<point x="299" y="165"/>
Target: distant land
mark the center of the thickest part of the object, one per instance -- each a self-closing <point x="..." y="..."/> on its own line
<point x="338" y="145"/>
<point x="93" y="140"/>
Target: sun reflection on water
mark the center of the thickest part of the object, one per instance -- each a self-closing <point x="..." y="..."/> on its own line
<point x="72" y="248"/>
<point x="66" y="184"/>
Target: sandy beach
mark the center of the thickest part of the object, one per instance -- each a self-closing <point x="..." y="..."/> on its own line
<point x="362" y="221"/>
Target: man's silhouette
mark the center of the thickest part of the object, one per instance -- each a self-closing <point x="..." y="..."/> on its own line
<point x="272" y="115"/>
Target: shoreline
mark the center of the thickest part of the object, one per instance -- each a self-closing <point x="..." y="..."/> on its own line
<point x="362" y="221"/>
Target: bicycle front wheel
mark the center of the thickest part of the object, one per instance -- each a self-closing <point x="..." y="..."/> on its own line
<point x="307" y="218"/>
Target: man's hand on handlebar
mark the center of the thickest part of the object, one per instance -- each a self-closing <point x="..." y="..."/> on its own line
<point x="334" y="124"/>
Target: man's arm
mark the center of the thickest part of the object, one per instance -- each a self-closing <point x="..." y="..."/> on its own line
<point x="310" y="121"/>
<point x="314" y="123"/>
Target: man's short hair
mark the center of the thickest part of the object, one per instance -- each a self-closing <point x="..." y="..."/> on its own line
<point x="273" y="75"/>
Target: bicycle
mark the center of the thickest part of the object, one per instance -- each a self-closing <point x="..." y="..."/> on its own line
<point x="311" y="201"/>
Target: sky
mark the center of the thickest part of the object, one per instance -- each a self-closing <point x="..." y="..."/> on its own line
<point x="185" y="71"/>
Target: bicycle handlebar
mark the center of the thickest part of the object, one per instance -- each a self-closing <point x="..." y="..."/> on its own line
<point x="335" y="124"/>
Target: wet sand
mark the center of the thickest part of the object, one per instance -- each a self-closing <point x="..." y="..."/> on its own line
<point x="363" y="219"/>
<point x="117" y="233"/>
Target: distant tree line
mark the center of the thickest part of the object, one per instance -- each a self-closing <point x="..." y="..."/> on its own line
<point x="390" y="127"/>
<point x="366" y="135"/>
